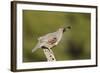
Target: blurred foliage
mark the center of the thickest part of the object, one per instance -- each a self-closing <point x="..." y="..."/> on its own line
<point x="75" y="44"/>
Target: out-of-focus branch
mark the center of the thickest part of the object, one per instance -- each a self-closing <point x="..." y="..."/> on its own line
<point x="49" y="55"/>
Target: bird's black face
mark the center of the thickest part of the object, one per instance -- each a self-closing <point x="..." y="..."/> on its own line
<point x="66" y="28"/>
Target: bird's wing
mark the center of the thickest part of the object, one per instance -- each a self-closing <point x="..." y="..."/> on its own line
<point x="52" y="40"/>
<point x="47" y="36"/>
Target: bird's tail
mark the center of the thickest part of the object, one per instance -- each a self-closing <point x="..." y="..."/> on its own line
<point x="36" y="47"/>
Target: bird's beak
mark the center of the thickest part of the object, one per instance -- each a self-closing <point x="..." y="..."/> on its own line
<point x="66" y="28"/>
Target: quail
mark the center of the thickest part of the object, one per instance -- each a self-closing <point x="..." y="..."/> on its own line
<point x="50" y="40"/>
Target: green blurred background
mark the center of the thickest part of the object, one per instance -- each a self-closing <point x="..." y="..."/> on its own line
<point x="75" y="44"/>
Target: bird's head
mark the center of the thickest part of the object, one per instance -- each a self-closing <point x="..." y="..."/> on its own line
<point x="65" y="28"/>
